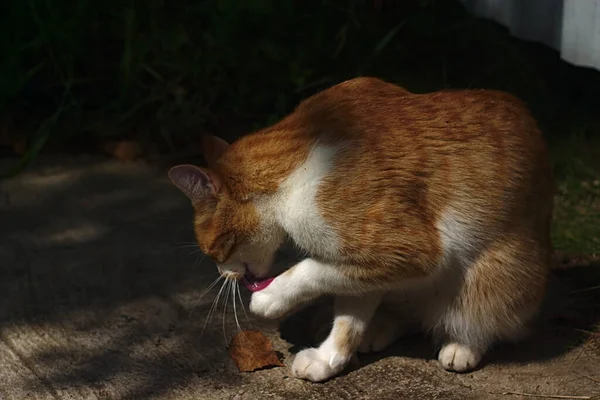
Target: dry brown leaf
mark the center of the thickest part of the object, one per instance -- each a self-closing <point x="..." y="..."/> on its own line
<point x="125" y="150"/>
<point x="251" y="350"/>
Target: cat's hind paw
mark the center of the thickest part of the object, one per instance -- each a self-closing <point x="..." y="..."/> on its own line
<point x="458" y="357"/>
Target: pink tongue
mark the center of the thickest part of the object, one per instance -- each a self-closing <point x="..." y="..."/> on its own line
<point x="254" y="285"/>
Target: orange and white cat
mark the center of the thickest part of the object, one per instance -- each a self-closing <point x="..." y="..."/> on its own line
<point x="417" y="210"/>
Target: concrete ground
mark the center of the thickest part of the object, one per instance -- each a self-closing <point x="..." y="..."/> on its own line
<point x="101" y="300"/>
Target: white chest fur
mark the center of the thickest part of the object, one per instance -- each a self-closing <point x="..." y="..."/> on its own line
<point x="296" y="208"/>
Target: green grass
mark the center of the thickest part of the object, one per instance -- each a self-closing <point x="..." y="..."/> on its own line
<point x="577" y="217"/>
<point x="576" y="228"/>
<point x="156" y="69"/>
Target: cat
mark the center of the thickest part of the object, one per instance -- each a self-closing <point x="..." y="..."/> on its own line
<point x="419" y="211"/>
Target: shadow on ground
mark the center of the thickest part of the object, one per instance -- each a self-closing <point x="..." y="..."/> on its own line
<point x="571" y="313"/>
<point x="99" y="284"/>
<point x="103" y="300"/>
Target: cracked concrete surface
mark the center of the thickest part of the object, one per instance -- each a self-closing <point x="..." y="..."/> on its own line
<point x="101" y="300"/>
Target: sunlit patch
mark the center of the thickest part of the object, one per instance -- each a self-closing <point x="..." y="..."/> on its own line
<point x="109" y="199"/>
<point x="72" y="235"/>
<point x="50" y="179"/>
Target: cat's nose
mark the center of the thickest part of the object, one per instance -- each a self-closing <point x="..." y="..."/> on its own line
<point x="230" y="275"/>
<point x="231" y="272"/>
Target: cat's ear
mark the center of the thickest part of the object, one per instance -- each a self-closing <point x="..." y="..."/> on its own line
<point x="196" y="183"/>
<point x="213" y="148"/>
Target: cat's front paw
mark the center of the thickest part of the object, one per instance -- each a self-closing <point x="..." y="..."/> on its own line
<point x="316" y="366"/>
<point x="269" y="304"/>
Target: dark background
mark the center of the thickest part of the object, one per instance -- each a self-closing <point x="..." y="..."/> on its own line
<point x="141" y="79"/>
<point x="102" y="281"/>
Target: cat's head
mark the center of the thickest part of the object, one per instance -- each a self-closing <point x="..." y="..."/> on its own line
<point x="228" y="229"/>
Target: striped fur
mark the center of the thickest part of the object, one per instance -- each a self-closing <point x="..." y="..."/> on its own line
<point x="429" y="210"/>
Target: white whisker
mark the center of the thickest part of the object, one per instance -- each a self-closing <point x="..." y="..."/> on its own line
<point x="227" y="293"/>
<point x="204" y="294"/>
<point x="194" y="252"/>
<point x="216" y="302"/>
<point x="237" y="321"/>
<point x="213" y="307"/>
<point x="198" y="260"/>
<point x="186" y="246"/>
<point x="242" y="302"/>
<point x="183" y="245"/>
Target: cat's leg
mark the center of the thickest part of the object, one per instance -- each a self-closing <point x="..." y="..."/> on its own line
<point x="351" y="320"/>
<point x="303" y="282"/>
<point x="385" y="328"/>
<point x="400" y="314"/>
<point x="502" y="290"/>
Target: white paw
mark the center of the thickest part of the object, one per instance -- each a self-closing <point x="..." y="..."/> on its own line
<point x="316" y="366"/>
<point x="459" y="358"/>
<point x="268" y="304"/>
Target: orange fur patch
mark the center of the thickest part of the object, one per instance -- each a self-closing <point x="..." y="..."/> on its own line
<point x="405" y="160"/>
<point x="346" y="338"/>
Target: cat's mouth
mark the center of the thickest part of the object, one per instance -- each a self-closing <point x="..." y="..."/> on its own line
<point x="253" y="283"/>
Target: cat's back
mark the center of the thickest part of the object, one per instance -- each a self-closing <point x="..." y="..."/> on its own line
<point x="373" y="110"/>
<point x="466" y="139"/>
<point x="417" y="163"/>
